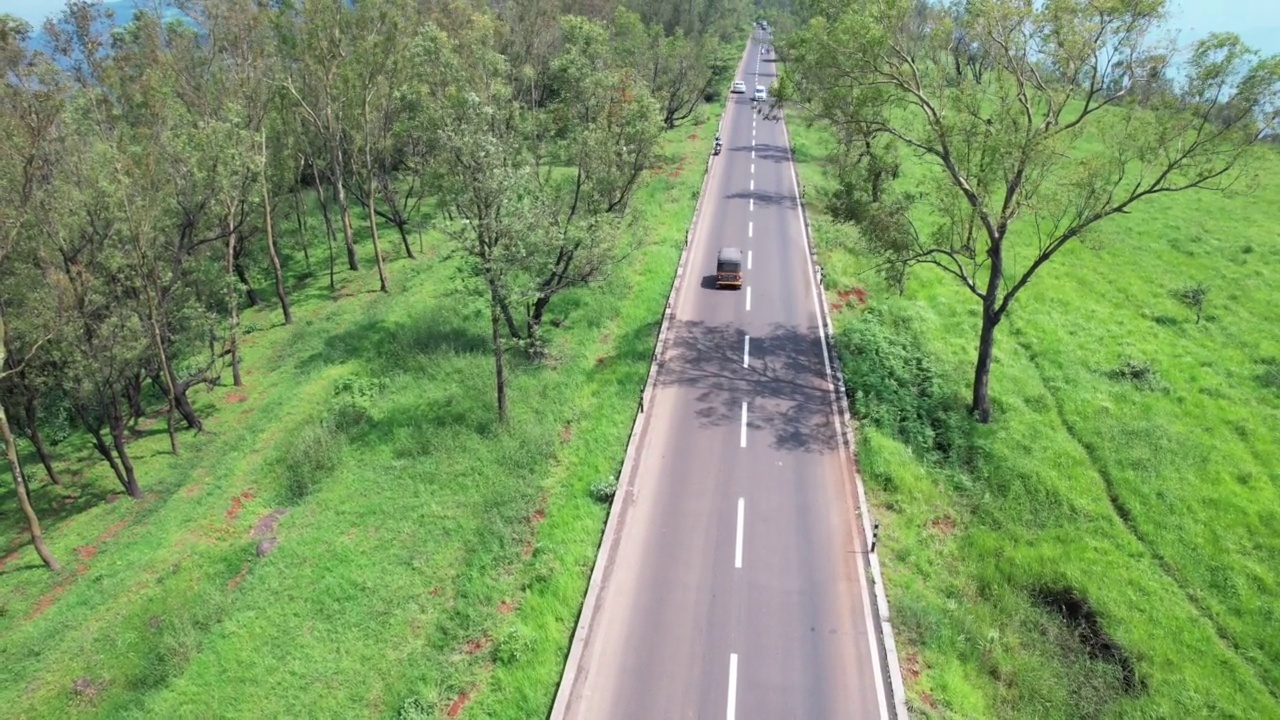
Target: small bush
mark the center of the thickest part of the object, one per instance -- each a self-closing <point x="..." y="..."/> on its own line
<point x="891" y="382"/>
<point x="414" y="709"/>
<point x="1269" y="376"/>
<point x="313" y="455"/>
<point x="1193" y="296"/>
<point x="514" y="644"/>
<point x="1137" y="372"/>
<point x="603" y="492"/>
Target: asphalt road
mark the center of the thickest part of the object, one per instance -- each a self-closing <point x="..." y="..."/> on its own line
<point x="739" y="589"/>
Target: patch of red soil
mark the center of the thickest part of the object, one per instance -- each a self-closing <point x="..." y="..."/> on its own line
<point x="505" y="607"/>
<point x="911" y="667"/>
<point x="853" y="296"/>
<point x="566" y="433"/>
<point x="435" y="592"/>
<point x="539" y="514"/>
<point x="233" y="582"/>
<point x="237" y="504"/>
<point x="82" y="569"/>
<point x="477" y="645"/>
<point x="943" y="525"/>
<point x="675" y="172"/>
<point x="112" y="531"/>
<point x="192" y="490"/>
<point x="455" y="708"/>
<point x="9" y="558"/>
<point x="236" y="397"/>
<point x="86" y="552"/>
<point x="927" y="699"/>
<point x="692" y="137"/>
<point x="46" y="601"/>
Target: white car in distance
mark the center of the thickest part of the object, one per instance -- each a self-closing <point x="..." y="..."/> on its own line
<point x="739" y="87"/>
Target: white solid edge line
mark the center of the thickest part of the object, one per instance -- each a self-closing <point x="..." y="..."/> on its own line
<point x="748" y="298"/>
<point x="748" y="259"/>
<point x="743" y="433"/>
<point x="737" y="548"/>
<point x="746" y="351"/>
<point x="731" y="708"/>
<point x="835" y="417"/>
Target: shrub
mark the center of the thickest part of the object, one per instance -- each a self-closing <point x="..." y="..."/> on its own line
<point x="1137" y="372"/>
<point x="604" y="491"/>
<point x="312" y="456"/>
<point x="891" y="382"/>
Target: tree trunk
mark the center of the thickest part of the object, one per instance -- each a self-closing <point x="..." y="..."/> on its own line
<point x="116" y="425"/>
<point x="981" y="405"/>
<point x="344" y="210"/>
<point x="185" y="409"/>
<point x="249" y="290"/>
<point x="271" y="241"/>
<point x="499" y="369"/>
<point x="171" y="412"/>
<point x="302" y="229"/>
<point x="404" y="238"/>
<point x="99" y="442"/>
<point x="24" y="500"/>
<point x="328" y="221"/>
<point x="369" y="194"/>
<point x="233" y="305"/>
<point x="37" y="440"/>
<point x="133" y="394"/>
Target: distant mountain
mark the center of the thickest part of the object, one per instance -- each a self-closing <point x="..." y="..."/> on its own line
<point x="123" y="11"/>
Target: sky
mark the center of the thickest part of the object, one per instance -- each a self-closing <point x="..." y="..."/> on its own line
<point x="1256" y="21"/>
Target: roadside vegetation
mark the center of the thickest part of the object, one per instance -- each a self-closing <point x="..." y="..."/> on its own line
<point x="322" y="341"/>
<point x="1098" y="541"/>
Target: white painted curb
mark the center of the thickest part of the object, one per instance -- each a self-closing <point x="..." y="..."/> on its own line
<point x="624" y="496"/>
<point x="897" y="687"/>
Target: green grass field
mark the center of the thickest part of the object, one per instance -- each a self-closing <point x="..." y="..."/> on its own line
<point x="428" y="563"/>
<point x="1105" y="548"/>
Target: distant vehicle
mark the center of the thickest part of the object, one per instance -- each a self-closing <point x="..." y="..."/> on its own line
<point x="739" y="86"/>
<point x="760" y="94"/>
<point x="729" y="268"/>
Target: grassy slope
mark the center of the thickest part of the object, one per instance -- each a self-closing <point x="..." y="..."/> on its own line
<point x="1161" y="507"/>
<point x="436" y="563"/>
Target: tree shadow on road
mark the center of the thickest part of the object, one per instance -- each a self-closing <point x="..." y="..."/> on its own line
<point x="785" y="383"/>
<point x="768" y="199"/>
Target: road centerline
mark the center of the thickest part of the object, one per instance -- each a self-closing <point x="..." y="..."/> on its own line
<point x="748" y="298"/>
<point x="746" y="351"/>
<point x="742" y="433"/>
<point x="731" y="708"/>
<point x="737" y="548"/>
<point x="748" y="259"/>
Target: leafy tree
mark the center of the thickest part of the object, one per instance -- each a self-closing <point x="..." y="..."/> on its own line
<point x="1041" y="135"/>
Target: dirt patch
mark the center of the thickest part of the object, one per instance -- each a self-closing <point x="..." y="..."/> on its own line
<point x="237" y="504"/>
<point x="435" y="592"/>
<point x="506" y="606"/>
<point x="928" y="700"/>
<point x="566" y="433"/>
<point x="86" y="552"/>
<point x="239" y="578"/>
<point x="267" y="525"/>
<point x="854" y="296"/>
<point x="112" y="531"/>
<point x="944" y="525"/>
<point x="86" y="689"/>
<point x="46" y="600"/>
<point x="1078" y="615"/>
<point x="236" y="397"/>
<point x="694" y="136"/>
<point x="192" y="490"/>
<point x="9" y="558"/>
<point x="539" y="514"/>
<point x="675" y="172"/>
<point x="476" y="646"/>
<point x="911" y="667"/>
<point x="456" y="707"/>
